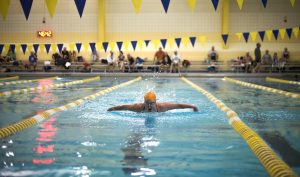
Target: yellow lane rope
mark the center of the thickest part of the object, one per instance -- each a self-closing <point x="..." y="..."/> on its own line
<point x="269" y="89"/>
<point x="26" y="81"/>
<point x="21" y="125"/>
<point x="271" y="79"/>
<point x="45" y="87"/>
<point x="9" y="78"/>
<point x="268" y="158"/>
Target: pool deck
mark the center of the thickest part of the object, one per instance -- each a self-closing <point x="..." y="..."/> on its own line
<point x="116" y="74"/>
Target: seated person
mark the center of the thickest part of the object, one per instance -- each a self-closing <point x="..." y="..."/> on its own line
<point x="121" y="61"/>
<point x="73" y="56"/>
<point x="159" y="57"/>
<point x="47" y="65"/>
<point x="267" y="59"/>
<point x="32" y="60"/>
<point x="110" y="61"/>
<point x="285" y="55"/>
<point x="94" y="56"/>
<point x="175" y="62"/>
<point x="248" y="62"/>
<point x="57" y="59"/>
<point x="186" y="64"/>
<point x="139" y="63"/>
<point x="131" y="62"/>
<point x="86" y="67"/>
<point x="65" y="54"/>
<point x="212" y="54"/>
<point x="150" y="105"/>
<point x="11" y="56"/>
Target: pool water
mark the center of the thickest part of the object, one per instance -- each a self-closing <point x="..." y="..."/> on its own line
<point x="89" y="141"/>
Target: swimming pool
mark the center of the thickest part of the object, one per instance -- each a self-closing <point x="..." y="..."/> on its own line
<point x="89" y="141"/>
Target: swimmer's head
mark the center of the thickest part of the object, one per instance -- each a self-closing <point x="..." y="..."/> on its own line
<point x="150" y="102"/>
<point x="150" y="97"/>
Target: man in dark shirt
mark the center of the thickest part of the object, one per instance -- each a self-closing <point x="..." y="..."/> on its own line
<point x="257" y="61"/>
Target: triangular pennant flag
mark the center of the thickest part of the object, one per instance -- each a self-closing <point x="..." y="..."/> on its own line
<point x="192" y="4"/>
<point x="72" y="46"/>
<point x="105" y="46"/>
<point x="119" y="44"/>
<point x="12" y="47"/>
<point x="126" y="45"/>
<point x="80" y="6"/>
<point x="193" y="41"/>
<point x="133" y="43"/>
<point x="185" y="41"/>
<point x="137" y="5"/>
<point x="296" y="31"/>
<point x="225" y="38"/>
<point x="178" y="42"/>
<point x="253" y="36"/>
<point x="18" y="48"/>
<point x="140" y="44"/>
<point x="99" y="46"/>
<point x="275" y="33"/>
<point x="289" y="32"/>
<point x="215" y="3"/>
<point x="4" y="5"/>
<point x="240" y="3"/>
<point x="239" y="35"/>
<point x="171" y="42"/>
<point x="165" y="3"/>
<point x="47" y="47"/>
<point x="54" y="48"/>
<point x="293" y="2"/>
<point x="246" y="36"/>
<point x="60" y="46"/>
<point x="92" y="46"/>
<point x="24" y="47"/>
<point x="36" y="47"/>
<point x="269" y="34"/>
<point x="29" y="47"/>
<point x="282" y="33"/>
<point x="26" y="5"/>
<point x="78" y="47"/>
<point x="261" y="35"/>
<point x="42" y="46"/>
<point x="147" y="42"/>
<point x="264" y="2"/>
<point x="6" y="47"/>
<point x="163" y="42"/>
<point x="51" y="4"/>
<point x="86" y="46"/>
<point x="156" y="43"/>
<point x="112" y="45"/>
<point x="202" y="40"/>
<point x="1" y="48"/>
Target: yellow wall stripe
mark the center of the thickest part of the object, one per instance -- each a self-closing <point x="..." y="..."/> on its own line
<point x="45" y="87"/>
<point x="268" y="158"/>
<point x="26" y="81"/>
<point x="271" y="79"/>
<point x="9" y="78"/>
<point x="19" y="126"/>
<point x="269" y="89"/>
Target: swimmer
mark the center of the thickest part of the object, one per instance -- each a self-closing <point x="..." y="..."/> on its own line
<point x="150" y="105"/>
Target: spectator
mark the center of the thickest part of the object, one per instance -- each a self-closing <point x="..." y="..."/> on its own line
<point x="248" y="62"/>
<point x="275" y="61"/>
<point x="110" y="61"/>
<point x="166" y="62"/>
<point x="186" y="64"/>
<point x="47" y="66"/>
<point x="11" y="56"/>
<point x="159" y="57"/>
<point x="267" y="59"/>
<point x="131" y="63"/>
<point x="94" y="56"/>
<point x="286" y="55"/>
<point x="58" y="61"/>
<point x="139" y="63"/>
<point x="65" y="55"/>
<point x="175" y="62"/>
<point x="87" y="67"/>
<point x="212" y="55"/>
<point x="257" y="61"/>
<point x="121" y="60"/>
<point x="73" y="56"/>
<point x="33" y="60"/>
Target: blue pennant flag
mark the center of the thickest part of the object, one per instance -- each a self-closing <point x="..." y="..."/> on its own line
<point x="178" y="41"/>
<point x="1" y="48"/>
<point x="60" y="46"/>
<point x="163" y="42"/>
<point x="165" y="4"/>
<point x="133" y="43"/>
<point x="12" y="47"/>
<point x="264" y="3"/>
<point x="26" y="6"/>
<point x="92" y="46"/>
<point x="215" y="3"/>
<point x="24" y="47"/>
<point x="147" y="42"/>
<point x="246" y="36"/>
<point x="80" y="6"/>
<point x="36" y="47"/>
<point x="225" y="38"/>
<point x="276" y="32"/>
<point x="47" y="46"/>
<point x="105" y="46"/>
<point x="78" y="47"/>
<point x="289" y="32"/>
<point x="262" y="35"/>
<point x="120" y="44"/>
<point x="193" y="41"/>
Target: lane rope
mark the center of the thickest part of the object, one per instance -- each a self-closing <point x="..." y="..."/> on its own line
<point x="272" y="79"/>
<point x="26" y="81"/>
<point x="268" y="89"/>
<point x="9" y="78"/>
<point x="21" y="125"/>
<point x="45" y="87"/>
<point x="275" y="166"/>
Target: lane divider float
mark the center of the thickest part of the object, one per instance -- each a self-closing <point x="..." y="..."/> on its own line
<point x="45" y="87"/>
<point x="9" y="78"/>
<point x="269" y="89"/>
<point x="26" y="81"/>
<point x="272" y="79"/>
<point x="275" y="166"/>
<point x="28" y="122"/>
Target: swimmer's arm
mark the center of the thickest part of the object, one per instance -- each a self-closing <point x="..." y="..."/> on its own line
<point x="128" y="107"/>
<point x="170" y="106"/>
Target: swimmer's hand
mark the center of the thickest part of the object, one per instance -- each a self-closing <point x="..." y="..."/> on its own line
<point x="195" y="109"/>
<point x="110" y="109"/>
